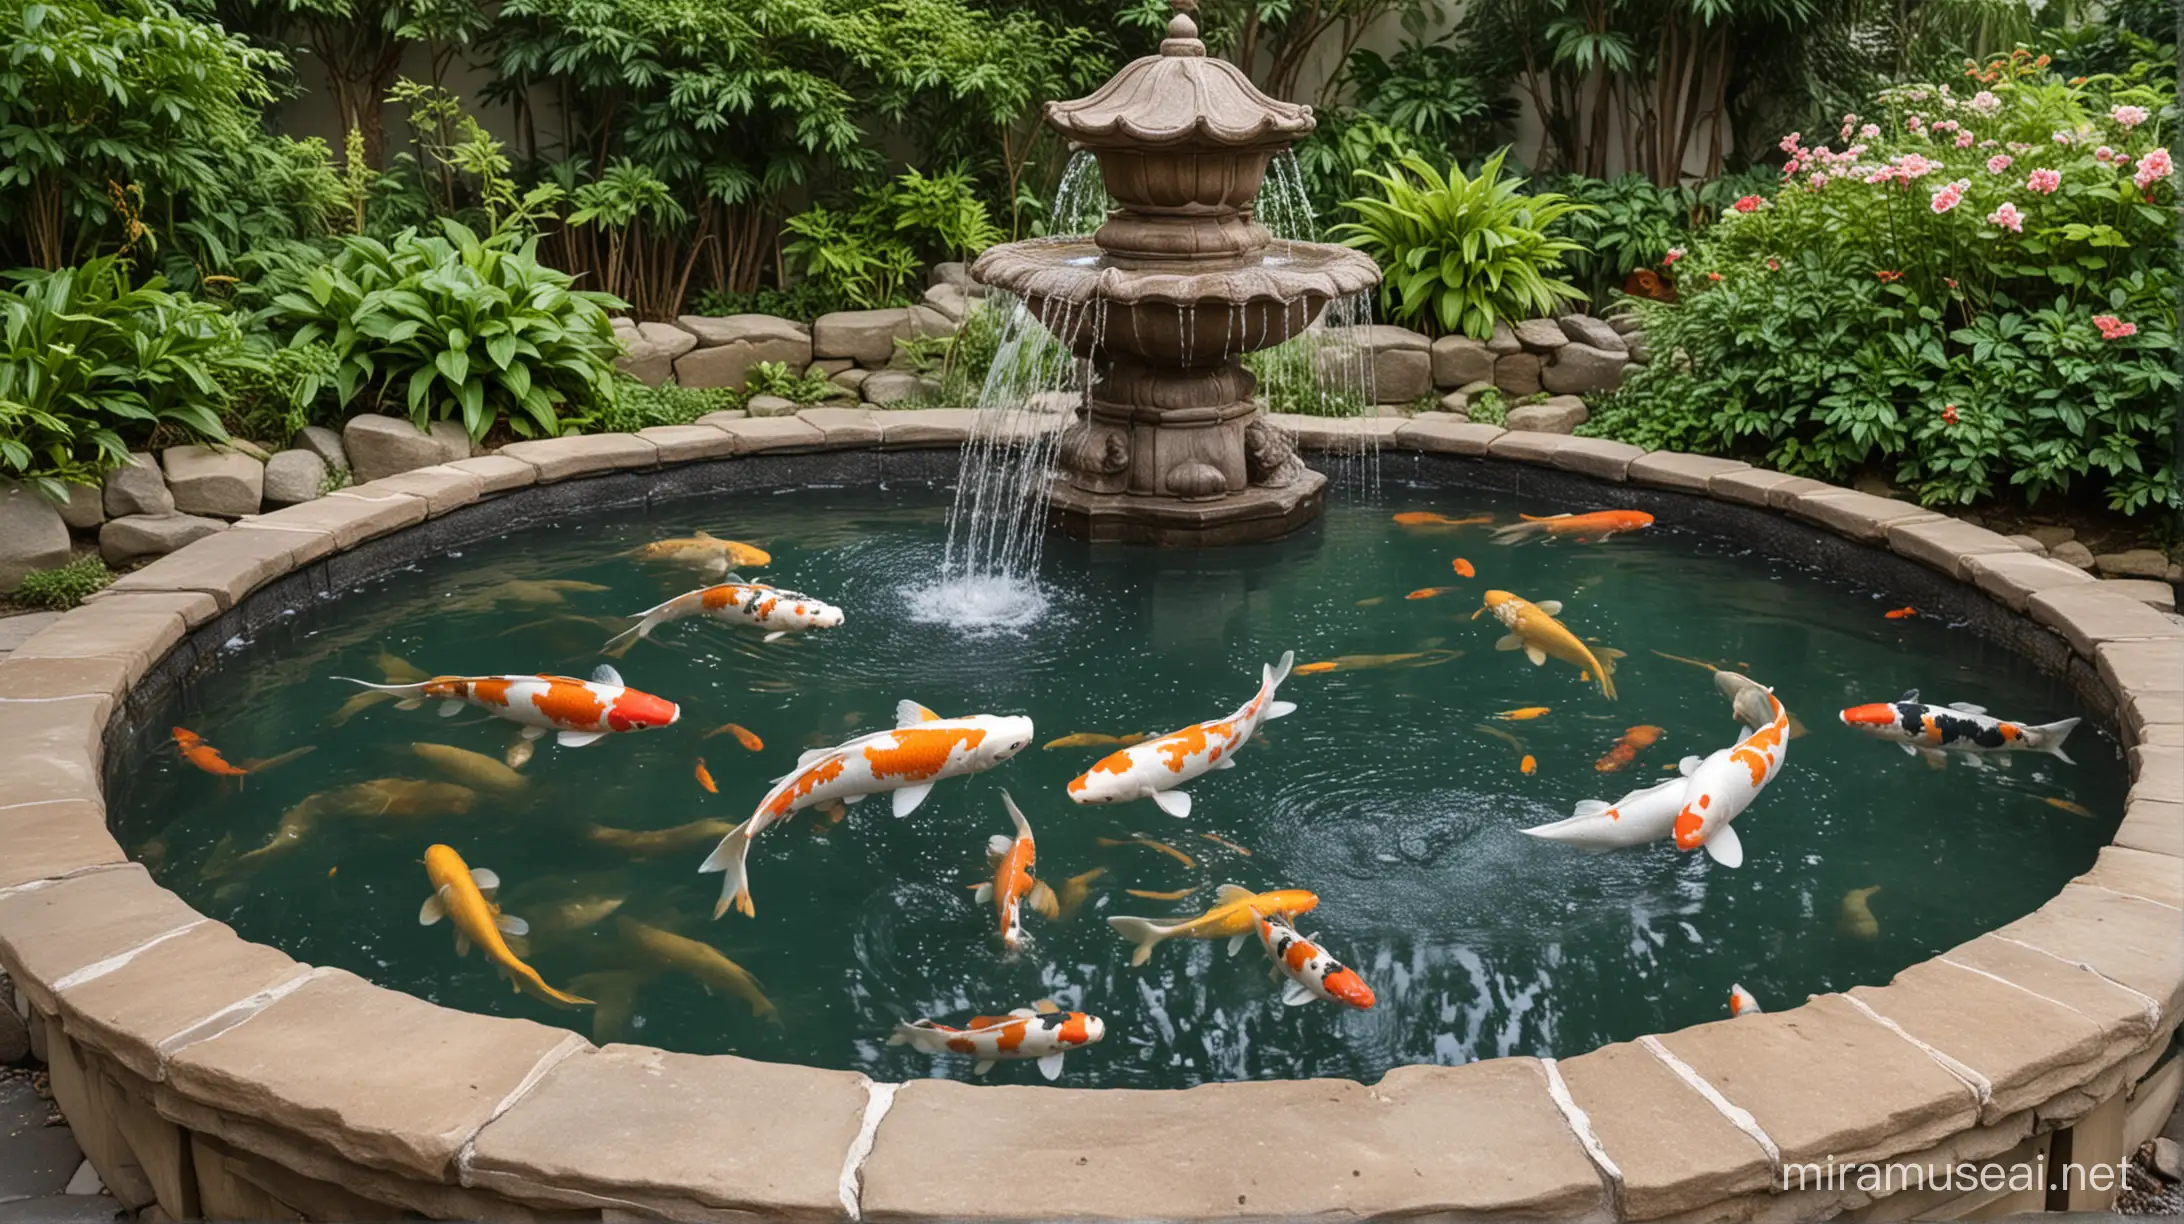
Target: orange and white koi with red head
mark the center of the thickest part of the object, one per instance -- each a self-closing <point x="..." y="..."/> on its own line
<point x="1043" y="1032"/>
<point x="923" y="749"/>
<point x="1718" y="789"/>
<point x="1154" y="769"/>
<point x="751" y="605"/>
<point x="1311" y="972"/>
<point x="581" y="711"/>
<point x="1012" y="884"/>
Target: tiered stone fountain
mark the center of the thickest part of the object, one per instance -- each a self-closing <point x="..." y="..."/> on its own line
<point x="1167" y="298"/>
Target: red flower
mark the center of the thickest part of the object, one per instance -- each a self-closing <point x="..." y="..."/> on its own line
<point x="1949" y="282"/>
<point x="1774" y="265"/>
<point x="1749" y="203"/>
<point x="1949" y="415"/>
<point x="1713" y="276"/>
<point x="1889" y="278"/>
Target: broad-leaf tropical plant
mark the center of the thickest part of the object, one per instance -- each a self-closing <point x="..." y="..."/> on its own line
<point x="91" y="366"/>
<point x="455" y="326"/>
<point x="1462" y="252"/>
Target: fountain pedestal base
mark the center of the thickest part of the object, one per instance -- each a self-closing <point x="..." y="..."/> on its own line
<point x="1254" y="513"/>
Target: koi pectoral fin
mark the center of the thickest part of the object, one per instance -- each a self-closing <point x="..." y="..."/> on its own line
<point x="1536" y="655"/>
<point x="1044" y="900"/>
<point x="1724" y="848"/>
<point x="1294" y="994"/>
<point x="909" y="797"/>
<point x="1175" y="803"/>
<point x="1051" y="1066"/>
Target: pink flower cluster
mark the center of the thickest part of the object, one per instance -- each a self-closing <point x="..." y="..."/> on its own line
<point x="2044" y="182"/>
<point x="1985" y="103"/>
<point x="2113" y="328"/>
<point x="1998" y="163"/>
<point x="1950" y="196"/>
<point x="2007" y="216"/>
<point x="1903" y="169"/>
<point x="2153" y="167"/>
<point x="2128" y="116"/>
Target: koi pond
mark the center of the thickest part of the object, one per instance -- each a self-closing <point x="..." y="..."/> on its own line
<point x="1395" y="791"/>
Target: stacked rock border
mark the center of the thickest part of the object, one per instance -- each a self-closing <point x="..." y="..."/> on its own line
<point x="206" y="1076"/>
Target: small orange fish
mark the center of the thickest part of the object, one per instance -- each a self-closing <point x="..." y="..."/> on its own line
<point x="1426" y="518"/>
<point x="1524" y="714"/>
<point x="1626" y="749"/>
<point x="743" y="735"/>
<point x="1139" y="839"/>
<point x="203" y="755"/>
<point x="2074" y="809"/>
<point x="1373" y="602"/>
<point x="1177" y="895"/>
<point x="1903" y="613"/>
<point x="705" y="778"/>
<point x="1313" y="669"/>
<point x="1427" y="593"/>
<point x="1528" y="765"/>
<point x="1464" y="568"/>
<point x="1223" y="841"/>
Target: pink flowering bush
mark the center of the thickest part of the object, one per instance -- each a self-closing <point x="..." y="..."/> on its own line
<point x="1911" y="265"/>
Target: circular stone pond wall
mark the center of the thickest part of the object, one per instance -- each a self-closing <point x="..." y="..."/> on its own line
<point x="220" y="1078"/>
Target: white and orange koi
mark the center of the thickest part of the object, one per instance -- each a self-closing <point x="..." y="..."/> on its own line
<point x="1742" y="1002"/>
<point x="459" y="894"/>
<point x="752" y="605"/>
<point x="923" y="749"/>
<point x="1719" y="788"/>
<point x="582" y="711"/>
<point x="1013" y="858"/>
<point x="1534" y="630"/>
<point x="1311" y="972"/>
<point x="1043" y="1032"/>
<point x="1154" y="769"/>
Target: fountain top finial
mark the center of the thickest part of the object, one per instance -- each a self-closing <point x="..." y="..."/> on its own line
<point x="1181" y="98"/>
<point x="1182" y="37"/>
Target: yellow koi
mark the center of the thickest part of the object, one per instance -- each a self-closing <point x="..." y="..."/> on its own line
<point x="1534" y="630"/>
<point x="458" y="894"/>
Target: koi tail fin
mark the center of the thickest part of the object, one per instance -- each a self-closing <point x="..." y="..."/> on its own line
<point x="529" y="982"/>
<point x="1271" y="680"/>
<point x="1144" y="932"/>
<point x="648" y="620"/>
<point x="412" y="695"/>
<point x="2049" y="738"/>
<point x="730" y="858"/>
<point x="1607" y="658"/>
<point x="920" y="1035"/>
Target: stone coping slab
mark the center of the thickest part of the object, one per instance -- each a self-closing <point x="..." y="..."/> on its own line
<point x="1481" y="1138"/>
<point x="288" y="1063"/>
<point x="317" y="1061"/>
<point x="683" y="1136"/>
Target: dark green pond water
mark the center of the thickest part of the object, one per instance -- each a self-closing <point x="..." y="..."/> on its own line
<point x="1380" y="793"/>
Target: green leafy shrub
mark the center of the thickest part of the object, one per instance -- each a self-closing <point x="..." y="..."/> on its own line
<point x="1460" y="253"/>
<point x="455" y="326"/>
<point x="1978" y="291"/>
<point x="802" y="388"/>
<point x="869" y="255"/>
<point x="65" y="586"/>
<point x="120" y="119"/>
<point x="636" y="406"/>
<point x="271" y="401"/>
<point x="91" y="366"/>
<point x="1348" y="142"/>
<point x="803" y="301"/>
